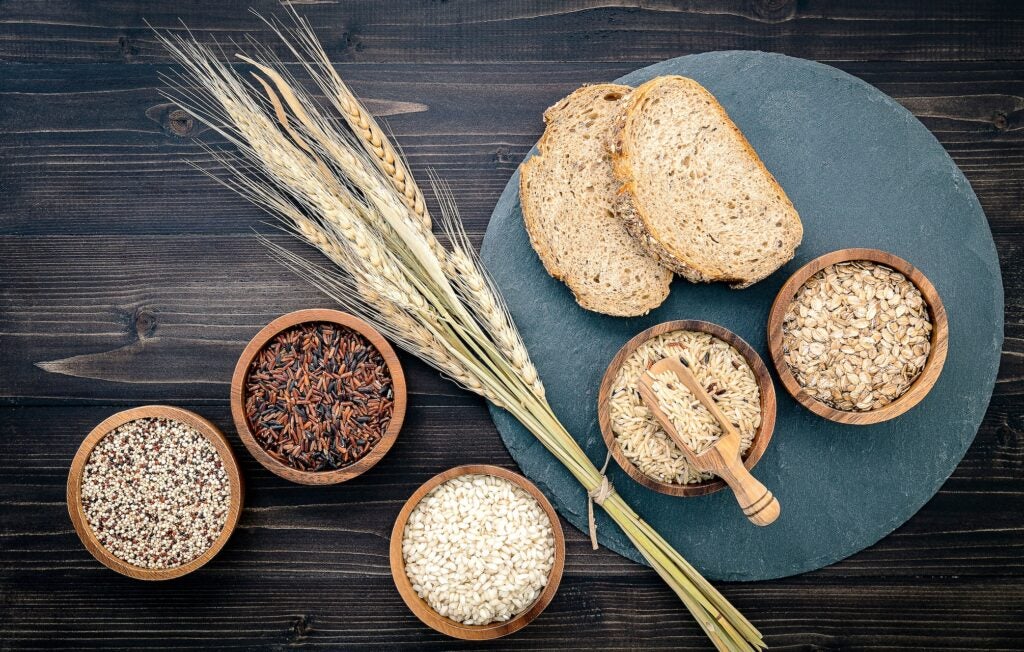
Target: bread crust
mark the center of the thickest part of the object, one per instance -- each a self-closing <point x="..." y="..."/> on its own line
<point x="627" y="211"/>
<point x="638" y="222"/>
<point x="531" y="220"/>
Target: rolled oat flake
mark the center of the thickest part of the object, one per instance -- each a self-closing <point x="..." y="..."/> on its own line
<point x="857" y="335"/>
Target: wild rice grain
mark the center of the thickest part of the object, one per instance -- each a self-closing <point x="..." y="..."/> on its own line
<point x="478" y="549"/>
<point x="319" y="397"/>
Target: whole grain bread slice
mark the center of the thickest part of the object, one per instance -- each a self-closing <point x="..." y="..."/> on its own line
<point x="567" y="191"/>
<point x="695" y="194"/>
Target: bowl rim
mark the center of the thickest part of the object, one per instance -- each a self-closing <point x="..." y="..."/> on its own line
<point x="932" y="366"/>
<point x="445" y="625"/>
<point x="766" y="389"/>
<point x="256" y="344"/>
<point x="76" y="473"/>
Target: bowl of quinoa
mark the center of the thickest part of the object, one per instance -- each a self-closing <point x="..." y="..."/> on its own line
<point x="154" y="492"/>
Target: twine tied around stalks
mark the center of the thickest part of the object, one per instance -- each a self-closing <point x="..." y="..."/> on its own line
<point x="598" y="494"/>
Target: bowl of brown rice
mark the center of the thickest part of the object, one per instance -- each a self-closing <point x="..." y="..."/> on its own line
<point x="318" y="396"/>
<point x="858" y="336"/>
<point x="732" y="373"/>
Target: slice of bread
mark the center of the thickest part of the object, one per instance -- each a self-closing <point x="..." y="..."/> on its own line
<point x="567" y="192"/>
<point x="694" y="192"/>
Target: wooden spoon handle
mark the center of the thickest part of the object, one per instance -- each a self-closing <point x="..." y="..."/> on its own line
<point x="758" y="503"/>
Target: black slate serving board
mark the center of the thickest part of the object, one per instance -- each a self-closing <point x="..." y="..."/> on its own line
<point x="862" y="172"/>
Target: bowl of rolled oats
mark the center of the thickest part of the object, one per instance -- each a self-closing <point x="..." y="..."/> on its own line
<point x="858" y="336"/>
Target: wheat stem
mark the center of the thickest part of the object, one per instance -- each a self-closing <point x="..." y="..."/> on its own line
<point x="353" y="199"/>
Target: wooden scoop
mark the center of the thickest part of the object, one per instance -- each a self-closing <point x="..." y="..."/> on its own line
<point x="723" y="458"/>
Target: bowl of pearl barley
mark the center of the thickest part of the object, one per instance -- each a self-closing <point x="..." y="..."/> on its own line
<point x="477" y="552"/>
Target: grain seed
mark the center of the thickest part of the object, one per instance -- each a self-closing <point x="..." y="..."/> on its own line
<point x="880" y="331"/>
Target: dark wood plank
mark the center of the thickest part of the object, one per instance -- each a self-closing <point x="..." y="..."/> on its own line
<point x="126" y="277"/>
<point x="414" y="31"/>
<point x="88" y="149"/>
<point x="279" y="611"/>
<point x="149" y="318"/>
<point x="331" y="543"/>
<point x="314" y="609"/>
<point x="964" y="538"/>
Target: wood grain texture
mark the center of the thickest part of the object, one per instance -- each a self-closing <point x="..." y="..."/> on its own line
<point x="762" y="437"/>
<point x="408" y="31"/>
<point x="126" y="277"/>
<point x="451" y="627"/>
<point x="241" y="374"/>
<point x="104" y="428"/>
<point x="82" y="127"/>
<point x="929" y="373"/>
<point x="315" y="558"/>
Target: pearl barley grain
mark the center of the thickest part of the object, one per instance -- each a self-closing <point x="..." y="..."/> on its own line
<point x="478" y="549"/>
<point x="155" y="493"/>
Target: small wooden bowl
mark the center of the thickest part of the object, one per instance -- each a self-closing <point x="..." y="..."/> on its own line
<point x="257" y="343"/>
<point x="932" y="367"/>
<point x="448" y="626"/>
<point x="74" y="491"/>
<point x="766" y="389"/>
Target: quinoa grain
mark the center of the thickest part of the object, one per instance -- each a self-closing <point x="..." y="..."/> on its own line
<point x="155" y="493"/>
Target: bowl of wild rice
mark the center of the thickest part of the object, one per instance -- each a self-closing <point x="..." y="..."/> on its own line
<point x="858" y="336"/>
<point x="477" y="552"/>
<point x="731" y="372"/>
<point x="154" y="492"/>
<point x="318" y="396"/>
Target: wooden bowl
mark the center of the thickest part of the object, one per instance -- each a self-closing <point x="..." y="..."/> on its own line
<point x="448" y="626"/>
<point x="270" y="331"/>
<point x="74" y="491"/>
<point x="766" y="389"/>
<point x="932" y="367"/>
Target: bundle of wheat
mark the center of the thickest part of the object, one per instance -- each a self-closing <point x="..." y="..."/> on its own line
<point x="348" y="193"/>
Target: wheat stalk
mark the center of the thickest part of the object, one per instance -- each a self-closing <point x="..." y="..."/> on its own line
<point x="351" y="196"/>
<point x="468" y="274"/>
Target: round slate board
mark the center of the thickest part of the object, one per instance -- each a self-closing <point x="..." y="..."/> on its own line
<point x="862" y="172"/>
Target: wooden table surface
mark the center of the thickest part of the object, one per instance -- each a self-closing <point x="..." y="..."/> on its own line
<point x="129" y="278"/>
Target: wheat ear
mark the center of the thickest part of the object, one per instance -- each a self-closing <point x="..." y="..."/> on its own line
<point x="390" y="318"/>
<point x="392" y="277"/>
<point x="371" y="136"/>
<point x="459" y="266"/>
<point x="361" y="121"/>
<point x="251" y="129"/>
<point x="478" y="289"/>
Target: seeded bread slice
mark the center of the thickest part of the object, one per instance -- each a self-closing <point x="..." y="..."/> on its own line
<point x="567" y="192"/>
<point x="695" y="194"/>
